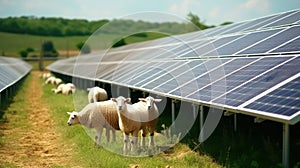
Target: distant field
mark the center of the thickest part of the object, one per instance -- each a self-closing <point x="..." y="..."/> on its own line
<point x="11" y="44"/>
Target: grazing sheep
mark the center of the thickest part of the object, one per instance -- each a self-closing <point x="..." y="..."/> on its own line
<point x="65" y="89"/>
<point x="135" y="117"/>
<point x="45" y="75"/>
<point x="97" y="115"/>
<point x="96" y="94"/>
<point x="50" y="80"/>
<point x="58" y="89"/>
<point x="57" y="81"/>
<point x="152" y="119"/>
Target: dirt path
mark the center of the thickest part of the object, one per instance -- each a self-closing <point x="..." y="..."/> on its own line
<point x="36" y="144"/>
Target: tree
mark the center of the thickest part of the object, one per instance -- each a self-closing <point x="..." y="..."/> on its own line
<point x="48" y="49"/>
<point x="23" y="53"/>
<point x="119" y="43"/>
<point x="84" y="48"/>
<point x="196" y="21"/>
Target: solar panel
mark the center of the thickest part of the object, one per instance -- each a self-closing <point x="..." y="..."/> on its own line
<point x="289" y="47"/>
<point x="273" y="41"/>
<point x="288" y="18"/>
<point x="262" y="82"/>
<point x="11" y="71"/>
<point x="234" y="66"/>
<point x="284" y="101"/>
<point x="243" y="42"/>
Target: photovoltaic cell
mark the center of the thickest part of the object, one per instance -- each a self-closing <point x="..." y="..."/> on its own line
<point x="244" y="42"/>
<point x="273" y="41"/>
<point x="285" y="100"/>
<point x="260" y="84"/>
<point x="289" y="47"/>
<point x="294" y="17"/>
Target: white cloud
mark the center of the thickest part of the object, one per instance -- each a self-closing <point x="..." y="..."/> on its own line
<point x="261" y="6"/>
<point x="184" y="7"/>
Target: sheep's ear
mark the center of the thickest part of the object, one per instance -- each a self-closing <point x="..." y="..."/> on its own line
<point x="113" y="99"/>
<point x="157" y="100"/>
<point x="88" y="89"/>
<point x="70" y="113"/>
<point x="142" y="99"/>
<point x="128" y="100"/>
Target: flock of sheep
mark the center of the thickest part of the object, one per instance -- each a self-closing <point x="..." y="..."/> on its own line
<point x="115" y="114"/>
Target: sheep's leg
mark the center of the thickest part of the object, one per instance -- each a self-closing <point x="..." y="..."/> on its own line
<point x="151" y="142"/>
<point x="113" y="131"/>
<point x="98" y="135"/>
<point x="107" y="134"/>
<point x="134" y="140"/>
<point x="143" y="139"/>
<point x="126" y="141"/>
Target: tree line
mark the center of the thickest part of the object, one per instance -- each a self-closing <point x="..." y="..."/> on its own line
<point x="78" y="27"/>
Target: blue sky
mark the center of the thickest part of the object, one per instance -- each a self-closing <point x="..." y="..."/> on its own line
<point x="213" y="12"/>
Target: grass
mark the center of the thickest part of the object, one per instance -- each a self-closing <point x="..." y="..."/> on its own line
<point x="88" y="155"/>
<point x="11" y="44"/>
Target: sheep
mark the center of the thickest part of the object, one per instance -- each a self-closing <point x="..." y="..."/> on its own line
<point x="57" y="81"/>
<point x="97" y="115"/>
<point x="46" y="75"/>
<point x="65" y="89"/>
<point x="96" y="94"/>
<point x="152" y="119"/>
<point x="59" y="88"/>
<point x="50" y="80"/>
<point x="133" y="118"/>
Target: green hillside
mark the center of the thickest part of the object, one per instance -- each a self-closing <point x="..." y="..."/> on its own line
<point x="11" y="44"/>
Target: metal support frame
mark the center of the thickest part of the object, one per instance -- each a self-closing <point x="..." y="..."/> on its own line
<point x="285" y="145"/>
<point x="235" y="122"/>
<point x="194" y="111"/>
<point x="173" y="112"/>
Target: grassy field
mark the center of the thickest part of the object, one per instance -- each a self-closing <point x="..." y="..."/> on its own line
<point x="91" y="156"/>
<point x="11" y="44"/>
<point x="80" y="146"/>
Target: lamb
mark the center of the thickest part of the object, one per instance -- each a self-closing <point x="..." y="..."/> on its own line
<point x="96" y="94"/>
<point x="97" y="115"/>
<point x="133" y="118"/>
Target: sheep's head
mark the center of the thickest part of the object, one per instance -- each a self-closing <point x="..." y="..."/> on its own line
<point x="150" y="101"/>
<point x="121" y="102"/>
<point x="73" y="119"/>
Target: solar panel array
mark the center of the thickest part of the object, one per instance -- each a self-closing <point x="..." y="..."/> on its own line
<point x="243" y="67"/>
<point x="11" y="71"/>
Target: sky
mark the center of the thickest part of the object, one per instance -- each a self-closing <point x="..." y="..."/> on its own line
<point x="211" y="12"/>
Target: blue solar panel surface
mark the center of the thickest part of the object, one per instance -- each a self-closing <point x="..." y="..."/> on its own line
<point x="224" y="66"/>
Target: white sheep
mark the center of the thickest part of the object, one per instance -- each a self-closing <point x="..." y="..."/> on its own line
<point x="96" y="94"/>
<point x="45" y="75"/>
<point x="97" y="115"/>
<point x="58" y="89"/>
<point x="65" y="89"/>
<point x="50" y="80"/>
<point x="57" y="81"/>
<point x="152" y="119"/>
<point x="133" y="118"/>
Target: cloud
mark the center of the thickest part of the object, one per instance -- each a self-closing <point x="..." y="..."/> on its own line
<point x="183" y="7"/>
<point x="261" y="6"/>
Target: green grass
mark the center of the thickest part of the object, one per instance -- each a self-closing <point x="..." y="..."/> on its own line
<point x="88" y="155"/>
<point x="11" y="44"/>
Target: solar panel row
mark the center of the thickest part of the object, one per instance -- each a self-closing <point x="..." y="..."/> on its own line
<point x="11" y="70"/>
<point x="232" y="65"/>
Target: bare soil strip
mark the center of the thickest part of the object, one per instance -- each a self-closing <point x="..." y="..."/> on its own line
<point x="38" y="144"/>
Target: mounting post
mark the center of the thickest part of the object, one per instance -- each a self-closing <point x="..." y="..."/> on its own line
<point x="285" y="145"/>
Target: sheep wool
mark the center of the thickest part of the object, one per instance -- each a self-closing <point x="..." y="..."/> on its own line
<point x="97" y="115"/>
